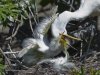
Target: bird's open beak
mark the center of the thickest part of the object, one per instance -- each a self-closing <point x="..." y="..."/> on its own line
<point x="65" y="40"/>
<point x="66" y="36"/>
<point x="71" y="37"/>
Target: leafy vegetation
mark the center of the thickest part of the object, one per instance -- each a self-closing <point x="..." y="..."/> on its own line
<point x="13" y="10"/>
<point x="8" y="10"/>
<point x="84" y="71"/>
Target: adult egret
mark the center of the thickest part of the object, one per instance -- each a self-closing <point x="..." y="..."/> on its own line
<point x="87" y="7"/>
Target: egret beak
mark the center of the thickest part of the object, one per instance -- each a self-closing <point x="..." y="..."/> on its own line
<point x="65" y="42"/>
<point x="73" y="38"/>
<point x="64" y="36"/>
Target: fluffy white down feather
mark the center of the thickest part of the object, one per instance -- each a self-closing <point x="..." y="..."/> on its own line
<point x="40" y="50"/>
<point x="86" y="9"/>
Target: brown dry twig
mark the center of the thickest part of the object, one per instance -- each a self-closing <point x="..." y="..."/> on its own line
<point x="7" y="59"/>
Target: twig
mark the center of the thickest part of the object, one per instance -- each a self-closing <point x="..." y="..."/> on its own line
<point x="13" y="35"/>
<point x="16" y="58"/>
<point x="9" y="63"/>
<point x="36" y="11"/>
<point x="71" y="5"/>
<point x="72" y="47"/>
<point x="98" y="53"/>
<point x="90" y="41"/>
<point x="11" y="52"/>
<point x="32" y="15"/>
<point x="13" y="32"/>
<point x="89" y="45"/>
<point x="30" y="23"/>
<point x="81" y="51"/>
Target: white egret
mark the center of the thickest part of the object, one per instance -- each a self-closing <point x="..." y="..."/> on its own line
<point x="87" y="8"/>
<point x="52" y="47"/>
<point x="42" y="49"/>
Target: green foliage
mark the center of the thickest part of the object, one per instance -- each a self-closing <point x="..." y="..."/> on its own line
<point x="80" y="72"/>
<point x="8" y="8"/>
<point x="84" y="71"/>
<point x="94" y="72"/>
<point x="13" y="10"/>
<point x="2" y="69"/>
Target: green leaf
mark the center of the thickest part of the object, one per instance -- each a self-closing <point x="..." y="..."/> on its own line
<point x="25" y="13"/>
<point x="2" y="67"/>
<point x="82" y="72"/>
<point x="4" y="17"/>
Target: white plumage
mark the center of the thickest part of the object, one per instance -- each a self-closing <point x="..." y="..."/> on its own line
<point x="42" y="48"/>
<point x="87" y="8"/>
<point x="41" y="44"/>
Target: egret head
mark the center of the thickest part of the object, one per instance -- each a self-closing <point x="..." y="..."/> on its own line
<point x="59" y="25"/>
